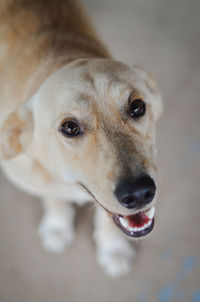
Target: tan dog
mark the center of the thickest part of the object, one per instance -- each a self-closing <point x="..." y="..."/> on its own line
<point x="76" y="126"/>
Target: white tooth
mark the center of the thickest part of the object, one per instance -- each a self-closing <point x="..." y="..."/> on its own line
<point x="148" y="224"/>
<point x="124" y="222"/>
<point x="131" y="229"/>
<point x="150" y="213"/>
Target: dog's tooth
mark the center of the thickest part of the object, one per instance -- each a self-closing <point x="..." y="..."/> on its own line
<point x="131" y="229"/>
<point x="148" y="224"/>
<point x="145" y="226"/>
<point x="150" y="213"/>
<point x="124" y="222"/>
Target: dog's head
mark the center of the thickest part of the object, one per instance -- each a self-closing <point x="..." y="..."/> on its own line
<point x="93" y="123"/>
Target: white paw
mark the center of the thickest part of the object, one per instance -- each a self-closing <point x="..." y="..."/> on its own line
<point x="116" y="258"/>
<point x="55" y="233"/>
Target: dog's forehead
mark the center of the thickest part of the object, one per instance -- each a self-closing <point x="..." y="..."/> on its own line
<point x="78" y="85"/>
<point x="86" y="75"/>
<point x="105" y="68"/>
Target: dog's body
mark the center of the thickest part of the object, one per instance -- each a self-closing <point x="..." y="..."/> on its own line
<point x="52" y="68"/>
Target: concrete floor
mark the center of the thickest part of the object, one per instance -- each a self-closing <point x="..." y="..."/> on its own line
<point x="162" y="36"/>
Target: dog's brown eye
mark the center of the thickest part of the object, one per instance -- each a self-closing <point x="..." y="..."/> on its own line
<point x="137" y="108"/>
<point x="70" y="128"/>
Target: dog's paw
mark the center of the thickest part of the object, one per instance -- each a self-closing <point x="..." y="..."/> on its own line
<point x="116" y="258"/>
<point x="55" y="233"/>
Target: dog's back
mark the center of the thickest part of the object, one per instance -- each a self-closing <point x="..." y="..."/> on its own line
<point x="36" y="38"/>
<point x="20" y="20"/>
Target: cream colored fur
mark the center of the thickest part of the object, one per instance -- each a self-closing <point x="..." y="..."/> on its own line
<point x="55" y="69"/>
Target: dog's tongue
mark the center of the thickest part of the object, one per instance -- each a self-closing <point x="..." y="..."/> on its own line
<point x="137" y="220"/>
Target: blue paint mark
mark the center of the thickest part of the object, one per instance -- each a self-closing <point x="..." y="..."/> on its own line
<point x="143" y="297"/>
<point x="173" y="236"/>
<point x="165" y="294"/>
<point x="166" y="255"/>
<point x="196" y="296"/>
<point x="168" y="292"/>
<point x="188" y="264"/>
<point x="180" y="295"/>
<point x="193" y="151"/>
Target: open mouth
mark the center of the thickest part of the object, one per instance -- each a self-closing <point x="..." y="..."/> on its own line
<point x="136" y="225"/>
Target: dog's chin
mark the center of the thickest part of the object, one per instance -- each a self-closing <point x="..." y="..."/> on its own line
<point x="137" y="225"/>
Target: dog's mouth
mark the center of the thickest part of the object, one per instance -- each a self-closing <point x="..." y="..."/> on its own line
<point x="136" y="225"/>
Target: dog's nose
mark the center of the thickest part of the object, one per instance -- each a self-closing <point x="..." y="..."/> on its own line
<point x="135" y="192"/>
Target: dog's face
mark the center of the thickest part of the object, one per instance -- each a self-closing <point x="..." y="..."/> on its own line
<point x="92" y="123"/>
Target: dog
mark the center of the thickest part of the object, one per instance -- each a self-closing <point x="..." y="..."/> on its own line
<point x="77" y="126"/>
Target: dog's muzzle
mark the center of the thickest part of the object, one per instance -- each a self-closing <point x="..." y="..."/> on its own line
<point x="136" y="193"/>
<point x="135" y="225"/>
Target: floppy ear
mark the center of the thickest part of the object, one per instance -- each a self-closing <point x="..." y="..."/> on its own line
<point x="16" y="131"/>
<point x="151" y="84"/>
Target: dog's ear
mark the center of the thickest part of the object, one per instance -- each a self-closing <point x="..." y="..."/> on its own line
<point x="155" y="95"/>
<point x="16" y="131"/>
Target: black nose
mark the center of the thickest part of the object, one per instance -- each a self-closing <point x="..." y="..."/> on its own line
<point x="135" y="192"/>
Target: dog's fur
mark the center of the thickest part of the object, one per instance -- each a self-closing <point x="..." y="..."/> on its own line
<point x="53" y="67"/>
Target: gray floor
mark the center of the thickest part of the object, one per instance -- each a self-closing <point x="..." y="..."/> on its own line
<point x="163" y="36"/>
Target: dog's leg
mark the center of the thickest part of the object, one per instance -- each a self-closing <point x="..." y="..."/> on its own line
<point x="114" y="252"/>
<point x="56" y="229"/>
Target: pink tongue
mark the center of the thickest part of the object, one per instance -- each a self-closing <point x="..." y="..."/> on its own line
<point x="137" y="220"/>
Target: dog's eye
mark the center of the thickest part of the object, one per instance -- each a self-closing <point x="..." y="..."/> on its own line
<point x="70" y="128"/>
<point x="137" y="108"/>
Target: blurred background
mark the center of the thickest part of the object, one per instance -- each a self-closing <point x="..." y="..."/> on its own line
<point x="164" y="37"/>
